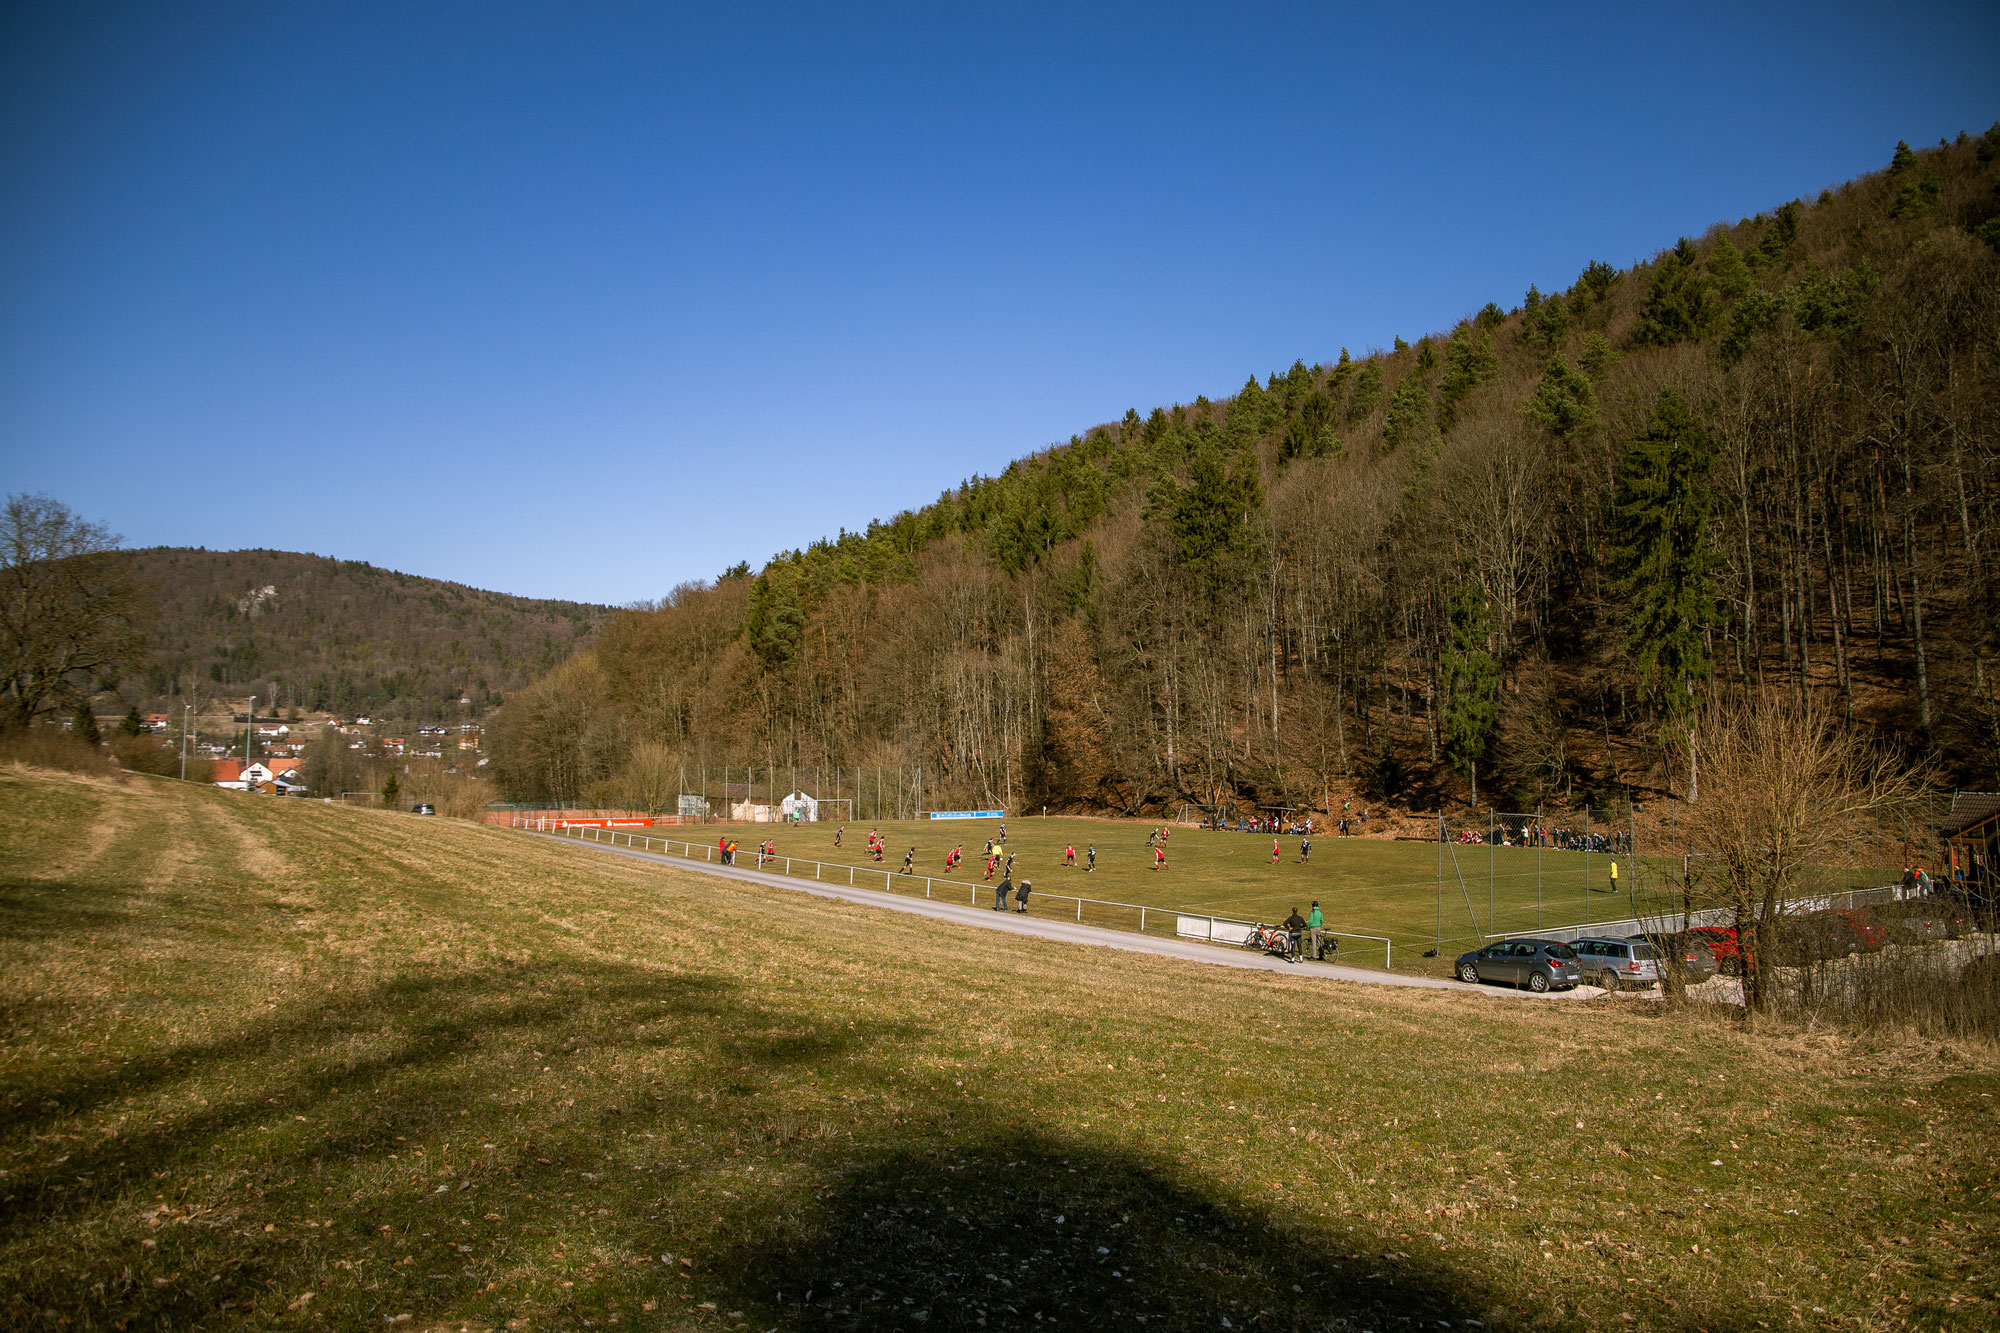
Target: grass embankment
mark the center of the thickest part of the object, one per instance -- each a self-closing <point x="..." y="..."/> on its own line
<point x="1367" y="886"/>
<point x="296" y="1066"/>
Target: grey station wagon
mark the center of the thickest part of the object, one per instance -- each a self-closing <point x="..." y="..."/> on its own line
<point x="1540" y="965"/>
<point x="1616" y="964"/>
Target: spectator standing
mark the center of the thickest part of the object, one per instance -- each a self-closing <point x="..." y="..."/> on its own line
<point x="1021" y="894"/>
<point x="1295" y="926"/>
<point x="1000" y="893"/>
<point x="1315" y="922"/>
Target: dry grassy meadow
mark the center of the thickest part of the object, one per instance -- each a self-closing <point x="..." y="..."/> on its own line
<point x="280" y="1065"/>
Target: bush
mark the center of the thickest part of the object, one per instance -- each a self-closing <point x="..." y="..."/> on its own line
<point x="46" y="747"/>
<point x="144" y="754"/>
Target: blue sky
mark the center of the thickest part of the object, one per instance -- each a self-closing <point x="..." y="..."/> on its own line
<point x="585" y="300"/>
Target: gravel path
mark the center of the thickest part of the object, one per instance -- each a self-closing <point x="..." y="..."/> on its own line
<point x="1069" y="932"/>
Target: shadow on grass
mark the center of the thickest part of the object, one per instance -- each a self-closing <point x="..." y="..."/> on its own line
<point x="1024" y="1231"/>
<point x="318" y="1110"/>
<point x="519" y="1144"/>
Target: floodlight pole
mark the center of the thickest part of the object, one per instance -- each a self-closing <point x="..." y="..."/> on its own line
<point x="1437" y="945"/>
<point x="250" y="733"/>
<point x="1538" y="867"/>
<point x="185" y="709"/>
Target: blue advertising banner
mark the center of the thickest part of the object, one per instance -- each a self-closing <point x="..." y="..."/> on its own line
<point x="968" y="814"/>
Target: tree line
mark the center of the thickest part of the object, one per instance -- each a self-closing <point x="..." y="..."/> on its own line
<point x="1508" y="563"/>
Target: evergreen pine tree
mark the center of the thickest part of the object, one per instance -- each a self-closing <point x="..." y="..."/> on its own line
<point x="1597" y="356"/>
<point x="131" y="724"/>
<point x="1213" y="535"/>
<point x="1565" y="403"/>
<point x="1544" y="320"/>
<point x="84" y="724"/>
<point x="1253" y="414"/>
<point x="1662" y="559"/>
<point x="1727" y="269"/>
<point x="1409" y="419"/>
<point x="1776" y="242"/>
<point x="1902" y="157"/>
<point x="1470" y="681"/>
<point x="1468" y="363"/>
<point x="1367" y="393"/>
<point x="1597" y="278"/>
<point x="1310" y="434"/>
<point x="390" y="789"/>
<point x="1681" y="304"/>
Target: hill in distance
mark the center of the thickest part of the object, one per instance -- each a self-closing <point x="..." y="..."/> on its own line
<point x="342" y="636"/>
<point x="1486" y="566"/>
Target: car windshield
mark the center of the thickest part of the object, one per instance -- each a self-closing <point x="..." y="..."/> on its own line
<point x="1645" y="951"/>
<point x="1561" y="951"/>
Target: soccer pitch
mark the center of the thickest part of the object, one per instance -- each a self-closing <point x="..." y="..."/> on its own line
<point x="1366" y="886"/>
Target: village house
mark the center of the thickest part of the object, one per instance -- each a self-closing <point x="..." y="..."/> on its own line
<point x="273" y="777"/>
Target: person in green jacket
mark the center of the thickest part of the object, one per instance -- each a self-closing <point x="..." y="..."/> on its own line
<point x="1315" y="921"/>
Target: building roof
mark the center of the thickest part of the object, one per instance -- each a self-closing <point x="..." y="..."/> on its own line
<point x="1969" y="808"/>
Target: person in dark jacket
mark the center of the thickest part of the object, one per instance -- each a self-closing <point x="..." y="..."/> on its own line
<point x="1021" y="895"/>
<point x="1295" y="926"/>
<point x="1000" y="892"/>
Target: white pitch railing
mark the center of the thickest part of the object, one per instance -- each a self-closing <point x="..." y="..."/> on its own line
<point x="1187" y="925"/>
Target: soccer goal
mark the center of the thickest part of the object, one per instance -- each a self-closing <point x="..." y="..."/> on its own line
<point x="835" y="809"/>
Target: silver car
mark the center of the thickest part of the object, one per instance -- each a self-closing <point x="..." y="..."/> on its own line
<point x="1540" y="965"/>
<point x="1616" y="964"/>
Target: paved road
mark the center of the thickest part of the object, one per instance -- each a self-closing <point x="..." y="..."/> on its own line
<point x="1070" y="932"/>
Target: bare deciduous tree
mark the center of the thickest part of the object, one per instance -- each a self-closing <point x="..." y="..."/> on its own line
<point x="69" y="610"/>
<point x="1786" y="792"/>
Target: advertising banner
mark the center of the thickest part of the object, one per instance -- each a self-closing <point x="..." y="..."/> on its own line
<point x="968" y="814"/>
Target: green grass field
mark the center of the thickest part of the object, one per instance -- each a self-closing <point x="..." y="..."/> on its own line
<point x="278" y="1065"/>
<point x="1366" y="886"/>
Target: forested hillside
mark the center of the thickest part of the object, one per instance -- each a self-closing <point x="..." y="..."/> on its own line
<point x="1511" y="554"/>
<point x="342" y="636"/>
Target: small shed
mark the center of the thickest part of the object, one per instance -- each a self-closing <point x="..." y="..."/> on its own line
<point x="800" y="808"/>
<point x="1971" y="837"/>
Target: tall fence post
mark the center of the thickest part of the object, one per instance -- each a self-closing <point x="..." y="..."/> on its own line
<point x="1586" y="863"/>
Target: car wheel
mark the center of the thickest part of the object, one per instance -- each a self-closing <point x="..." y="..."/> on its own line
<point x="1608" y="980"/>
<point x="1538" y="982"/>
<point x="1468" y="974"/>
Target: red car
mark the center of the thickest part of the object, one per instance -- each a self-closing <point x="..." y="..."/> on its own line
<point x="1868" y="932"/>
<point x="1722" y="944"/>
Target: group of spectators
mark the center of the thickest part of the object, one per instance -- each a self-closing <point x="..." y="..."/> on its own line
<point x="1291" y="828"/>
<point x="1612" y="843"/>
